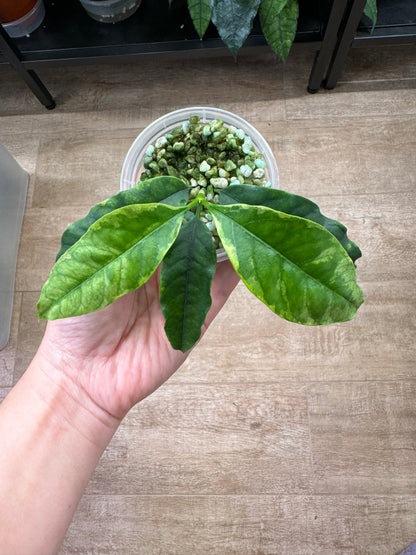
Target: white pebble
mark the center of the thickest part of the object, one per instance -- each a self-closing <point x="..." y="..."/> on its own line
<point x="259" y="173"/>
<point x="246" y="170"/>
<point x="219" y="182"/>
<point x="161" y="142"/>
<point x="204" y="166"/>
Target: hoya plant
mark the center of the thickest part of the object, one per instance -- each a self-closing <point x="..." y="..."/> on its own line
<point x="234" y="20"/>
<point x="203" y="187"/>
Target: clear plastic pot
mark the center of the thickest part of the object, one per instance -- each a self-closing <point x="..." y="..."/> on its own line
<point x="133" y="163"/>
<point x="110" y="11"/>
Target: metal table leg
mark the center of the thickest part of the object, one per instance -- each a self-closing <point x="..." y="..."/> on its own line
<point x="29" y="76"/>
<point x="343" y="46"/>
<point x="328" y="45"/>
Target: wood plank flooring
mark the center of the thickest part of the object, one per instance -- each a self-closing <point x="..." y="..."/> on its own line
<point x="272" y="438"/>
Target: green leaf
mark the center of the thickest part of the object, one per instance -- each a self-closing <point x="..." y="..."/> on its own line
<point x="279" y="23"/>
<point x="167" y="190"/>
<point x="269" y="9"/>
<point x="117" y="254"/>
<point x="185" y="284"/>
<point x="234" y="20"/>
<point x="370" y="11"/>
<point x="200" y="13"/>
<point x="295" y="266"/>
<point x="288" y="203"/>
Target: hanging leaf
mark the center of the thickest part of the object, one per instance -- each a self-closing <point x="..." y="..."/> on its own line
<point x="288" y="203"/>
<point x="117" y="254"/>
<point x="295" y="266"/>
<point x="200" y="13"/>
<point x="370" y="11"/>
<point x="167" y="190"/>
<point x="234" y="20"/>
<point x="279" y="23"/>
<point x="271" y="9"/>
<point x="185" y="284"/>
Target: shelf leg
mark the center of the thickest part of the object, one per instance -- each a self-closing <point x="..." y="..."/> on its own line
<point x="343" y="47"/>
<point x="328" y="45"/>
<point x="29" y="76"/>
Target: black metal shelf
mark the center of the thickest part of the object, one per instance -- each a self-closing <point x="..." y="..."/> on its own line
<point x="348" y="25"/>
<point x="68" y="34"/>
<point x="396" y="22"/>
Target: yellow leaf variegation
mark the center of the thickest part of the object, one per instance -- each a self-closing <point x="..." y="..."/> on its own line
<point x="295" y="266"/>
<point x="297" y="261"/>
<point x="117" y="254"/>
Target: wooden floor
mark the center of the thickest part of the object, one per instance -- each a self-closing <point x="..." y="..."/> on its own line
<point x="273" y="438"/>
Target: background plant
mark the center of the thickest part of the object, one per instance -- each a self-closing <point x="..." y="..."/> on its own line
<point x="234" y="20"/>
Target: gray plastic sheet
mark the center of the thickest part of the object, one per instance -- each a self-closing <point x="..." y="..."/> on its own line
<point x="13" y="189"/>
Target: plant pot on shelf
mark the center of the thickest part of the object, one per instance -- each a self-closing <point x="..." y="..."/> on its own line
<point x="134" y="162"/>
<point x="21" y="17"/>
<point x="110" y="11"/>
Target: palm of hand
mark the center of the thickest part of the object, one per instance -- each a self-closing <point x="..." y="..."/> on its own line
<point x="120" y="354"/>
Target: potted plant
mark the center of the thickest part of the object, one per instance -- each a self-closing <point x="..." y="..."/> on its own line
<point x="204" y="187"/>
<point x="234" y="20"/>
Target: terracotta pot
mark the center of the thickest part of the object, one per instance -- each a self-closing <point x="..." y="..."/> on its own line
<point x="10" y="11"/>
<point x="21" y="17"/>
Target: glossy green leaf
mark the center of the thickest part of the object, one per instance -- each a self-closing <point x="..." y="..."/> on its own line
<point x="200" y="12"/>
<point x="185" y="284"/>
<point x="288" y="203"/>
<point x="117" y="254"/>
<point x="370" y="11"/>
<point x="167" y="190"/>
<point x="279" y="24"/>
<point x="234" y="20"/>
<point x="269" y="9"/>
<point x="295" y="266"/>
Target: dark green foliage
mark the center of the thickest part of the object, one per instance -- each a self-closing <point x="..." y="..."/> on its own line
<point x="185" y="284"/>
<point x="234" y="19"/>
<point x="294" y="259"/>
<point x="288" y="203"/>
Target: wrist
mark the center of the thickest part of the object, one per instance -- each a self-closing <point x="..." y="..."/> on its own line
<point x="52" y="378"/>
<point x="52" y="437"/>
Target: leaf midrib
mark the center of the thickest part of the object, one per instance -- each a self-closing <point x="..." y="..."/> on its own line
<point x="188" y="281"/>
<point x="258" y="239"/>
<point x="107" y="264"/>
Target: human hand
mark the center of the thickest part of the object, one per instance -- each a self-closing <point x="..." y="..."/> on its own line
<point x="120" y="354"/>
<point x="59" y="418"/>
